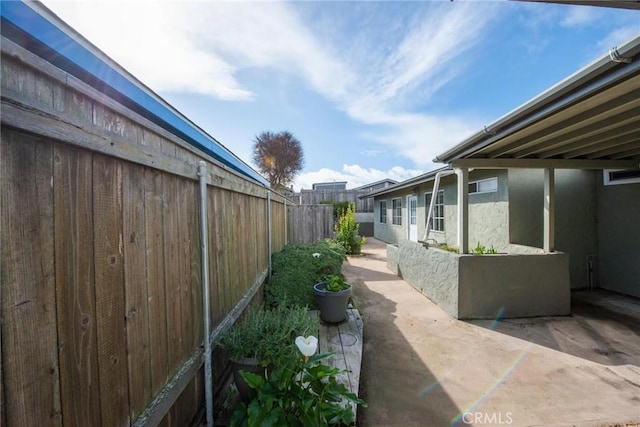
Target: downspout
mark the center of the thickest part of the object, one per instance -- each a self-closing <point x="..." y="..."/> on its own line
<point x="204" y="261"/>
<point x="269" y="230"/>
<point x="434" y="196"/>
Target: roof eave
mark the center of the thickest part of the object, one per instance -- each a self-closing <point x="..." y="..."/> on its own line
<point x="502" y="126"/>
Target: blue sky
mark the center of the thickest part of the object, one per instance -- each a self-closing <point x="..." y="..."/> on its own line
<point x="373" y="90"/>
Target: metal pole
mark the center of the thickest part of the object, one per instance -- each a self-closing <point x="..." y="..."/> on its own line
<point x="285" y="222"/>
<point x="269" y="228"/>
<point x="204" y="255"/>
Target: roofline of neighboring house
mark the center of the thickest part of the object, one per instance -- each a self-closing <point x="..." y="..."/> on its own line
<point x="329" y="182"/>
<point x="392" y="181"/>
<point x="589" y="79"/>
<point x="37" y="29"/>
<point x="425" y="177"/>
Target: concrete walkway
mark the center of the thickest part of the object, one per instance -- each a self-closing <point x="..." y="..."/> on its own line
<point x="422" y="368"/>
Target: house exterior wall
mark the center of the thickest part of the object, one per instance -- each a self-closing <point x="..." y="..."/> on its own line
<point x="619" y="237"/>
<point x="488" y="213"/>
<point x="511" y="219"/>
<point x="576" y="218"/>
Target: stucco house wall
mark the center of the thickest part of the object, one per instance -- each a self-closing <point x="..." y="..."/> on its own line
<point x="488" y="213"/>
<point x="576" y="216"/>
<point x="511" y="219"/>
<point x="618" y="228"/>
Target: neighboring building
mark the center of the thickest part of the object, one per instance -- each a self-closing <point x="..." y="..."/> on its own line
<point x="330" y="186"/>
<point x="554" y="185"/>
<point x="336" y="192"/>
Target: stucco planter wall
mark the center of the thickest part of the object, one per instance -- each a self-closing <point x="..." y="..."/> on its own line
<point x="432" y="272"/>
<point x="486" y="286"/>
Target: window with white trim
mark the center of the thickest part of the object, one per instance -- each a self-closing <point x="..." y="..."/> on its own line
<point x="618" y="176"/>
<point x="396" y="207"/>
<point x="383" y="211"/>
<point x="489" y="185"/>
<point x="437" y="218"/>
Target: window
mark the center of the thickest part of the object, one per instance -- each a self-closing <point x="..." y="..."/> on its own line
<point x="383" y="211"/>
<point x="489" y="185"/>
<point x="396" y="207"/>
<point x="437" y="218"/>
<point x="615" y="177"/>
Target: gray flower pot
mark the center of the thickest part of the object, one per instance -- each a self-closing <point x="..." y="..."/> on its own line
<point x="247" y="365"/>
<point x="333" y="305"/>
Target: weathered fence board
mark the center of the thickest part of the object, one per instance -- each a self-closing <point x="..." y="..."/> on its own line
<point x="136" y="297"/>
<point x="31" y="389"/>
<point x="109" y="291"/>
<point x="154" y="220"/>
<point x="75" y="287"/>
<point x="309" y="223"/>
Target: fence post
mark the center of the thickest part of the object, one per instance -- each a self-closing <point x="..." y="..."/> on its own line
<point x="286" y="237"/>
<point x="204" y="254"/>
<point x="269" y="229"/>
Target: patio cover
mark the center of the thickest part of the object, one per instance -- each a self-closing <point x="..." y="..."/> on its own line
<point x="590" y="120"/>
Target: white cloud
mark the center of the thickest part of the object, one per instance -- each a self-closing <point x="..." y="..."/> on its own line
<point x="617" y="38"/>
<point x="579" y="16"/>
<point x="355" y="175"/>
<point x="201" y="47"/>
<point x="152" y="41"/>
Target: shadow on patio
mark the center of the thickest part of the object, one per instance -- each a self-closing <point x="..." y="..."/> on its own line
<point x="423" y="368"/>
<point x="604" y="327"/>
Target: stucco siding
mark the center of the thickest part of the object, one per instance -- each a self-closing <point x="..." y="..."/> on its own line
<point x="485" y="287"/>
<point x="576" y="221"/>
<point x="433" y="272"/>
<point x="526" y="192"/>
<point x="575" y="214"/>
<point x="619" y="237"/>
<point x="496" y="286"/>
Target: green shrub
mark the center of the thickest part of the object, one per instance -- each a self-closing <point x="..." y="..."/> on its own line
<point x="296" y="270"/>
<point x="347" y="232"/>
<point x="340" y="208"/>
<point x="268" y="335"/>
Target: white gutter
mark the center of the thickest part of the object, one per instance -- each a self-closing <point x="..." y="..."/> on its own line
<point x="204" y="261"/>
<point x="434" y="196"/>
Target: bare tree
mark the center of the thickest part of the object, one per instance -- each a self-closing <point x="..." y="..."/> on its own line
<point x="278" y="156"/>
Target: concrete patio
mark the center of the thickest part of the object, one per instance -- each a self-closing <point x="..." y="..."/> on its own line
<point x="423" y="368"/>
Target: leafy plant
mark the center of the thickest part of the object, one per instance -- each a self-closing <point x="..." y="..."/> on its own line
<point x="481" y="250"/>
<point x="347" y="232"/>
<point x="297" y="267"/>
<point x="448" y="248"/>
<point x="340" y="208"/>
<point x="336" y="283"/>
<point x="299" y="393"/>
<point x="268" y="335"/>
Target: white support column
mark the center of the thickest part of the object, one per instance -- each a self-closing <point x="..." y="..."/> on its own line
<point x="549" y="211"/>
<point x="463" y="210"/>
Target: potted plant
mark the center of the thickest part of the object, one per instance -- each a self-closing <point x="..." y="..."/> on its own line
<point x="333" y="296"/>
<point x="264" y="339"/>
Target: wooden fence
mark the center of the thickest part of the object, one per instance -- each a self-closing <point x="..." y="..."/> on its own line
<point x="309" y="223"/>
<point x="101" y="293"/>
<point x="312" y="197"/>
